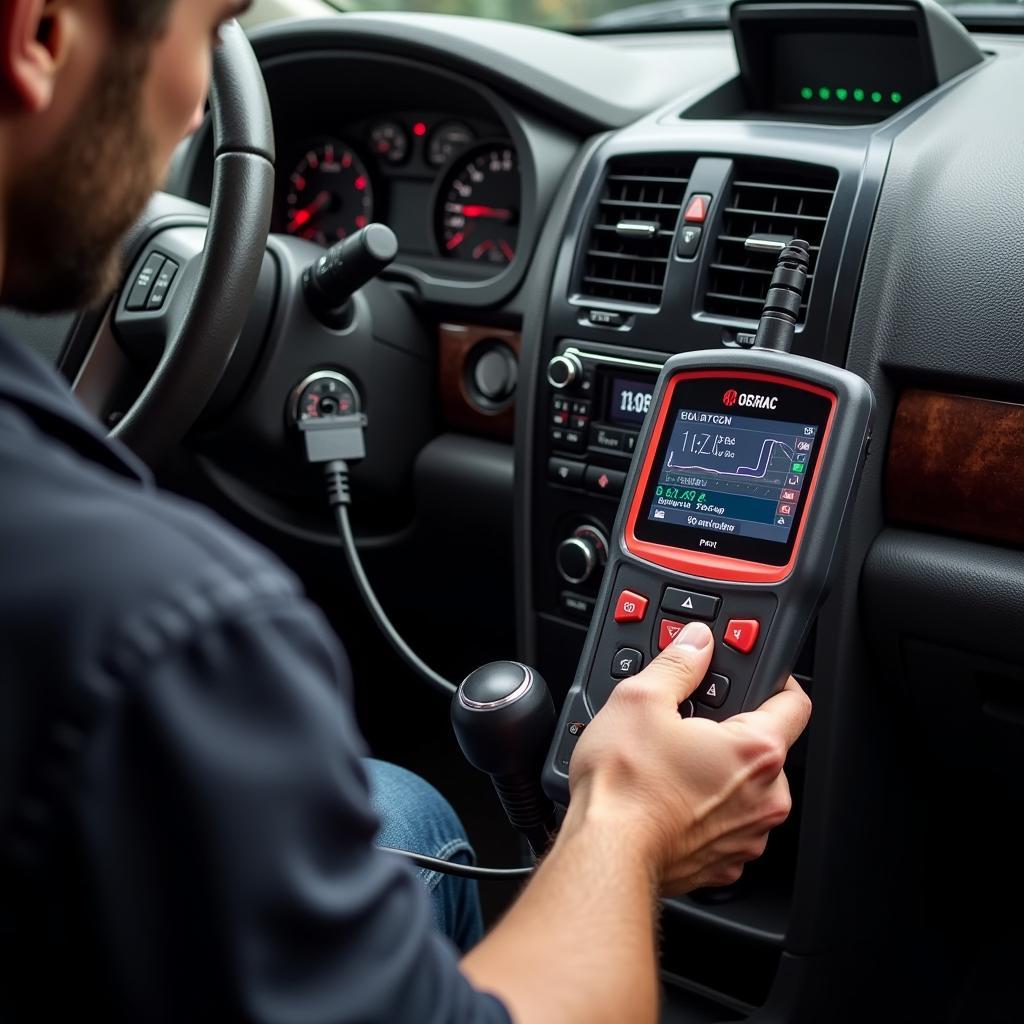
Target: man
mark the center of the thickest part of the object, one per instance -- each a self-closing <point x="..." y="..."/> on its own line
<point x="185" y="819"/>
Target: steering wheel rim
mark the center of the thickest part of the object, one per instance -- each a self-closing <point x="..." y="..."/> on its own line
<point x="200" y="343"/>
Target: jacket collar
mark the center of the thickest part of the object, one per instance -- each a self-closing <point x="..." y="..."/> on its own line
<point x="43" y="395"/>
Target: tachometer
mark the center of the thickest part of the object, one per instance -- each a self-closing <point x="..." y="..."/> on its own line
<point x="329" y="194"/>
<point x="477" y="216"/>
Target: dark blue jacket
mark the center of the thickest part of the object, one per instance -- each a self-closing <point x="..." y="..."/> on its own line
<point x="185" y="826"/>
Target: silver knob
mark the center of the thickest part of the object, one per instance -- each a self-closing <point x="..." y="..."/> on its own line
<point x="578" y="556"/>
<point x="563" y="370"/>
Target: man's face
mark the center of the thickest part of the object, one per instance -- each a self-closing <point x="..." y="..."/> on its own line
<point x="117" y="113"/>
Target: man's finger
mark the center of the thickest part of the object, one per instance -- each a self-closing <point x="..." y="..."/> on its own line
<point x="681" y="667"/>
<point x="788" y="712"/>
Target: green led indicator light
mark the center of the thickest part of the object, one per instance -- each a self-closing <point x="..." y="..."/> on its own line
<point x="807" y="92"/>
<point x="798" y="467"/>
<point x="858" y="95"/>
<point x="896" y="97"/>
<point x="824" y="92"/>
<point x="876" y="97"/>
<point x="841" y="94"/>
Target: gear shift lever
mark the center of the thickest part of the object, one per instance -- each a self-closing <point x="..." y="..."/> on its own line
<point x="504" y="720"/>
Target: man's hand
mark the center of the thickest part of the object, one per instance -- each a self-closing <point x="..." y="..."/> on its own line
<point x="698" y="797"/>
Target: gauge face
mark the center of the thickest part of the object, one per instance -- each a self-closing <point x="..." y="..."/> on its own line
<point x="478" y="207"/>
<point x="329" y="194"/>
<point x="390" y="141"/>
<point x="449" y="138"/>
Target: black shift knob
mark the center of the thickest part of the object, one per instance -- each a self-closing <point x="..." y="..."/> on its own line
<point x="504" y="720"/>
<point x="337" y="275"/>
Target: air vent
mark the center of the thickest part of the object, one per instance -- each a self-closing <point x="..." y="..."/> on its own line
<point x="630" y="241"/>
<point x="768" y="204"/>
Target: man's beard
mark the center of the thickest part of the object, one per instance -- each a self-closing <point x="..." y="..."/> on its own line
<point x="68" y="213"/>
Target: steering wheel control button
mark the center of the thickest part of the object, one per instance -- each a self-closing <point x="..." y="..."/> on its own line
<point x="686" y="709"/>
<point x="604" y="481"/>
<point x="714" y="690"/>
<point x="630" y="607"/>
<point x="741" y="634"/>
<point x="627" y="662"/>
<point x="575" y="728"/>
<point x="668" y="630"/>
<point x="139" y="295"/>
<point x="566" y="471"/>
<point x="162" y="285"/>
<point x="697" y="209"/>
<point x="689" y="241"/>
<point x="690" y="603"/>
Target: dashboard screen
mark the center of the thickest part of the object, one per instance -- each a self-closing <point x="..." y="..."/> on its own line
<point x="629" y="400"/>
<point x="732" y="469"/>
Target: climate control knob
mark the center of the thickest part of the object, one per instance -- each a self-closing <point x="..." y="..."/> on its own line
<point x="564" y="370"/>
<point x="581" y="555"/>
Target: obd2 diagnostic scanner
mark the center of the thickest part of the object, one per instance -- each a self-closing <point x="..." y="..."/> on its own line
<point x="732" y="515"/>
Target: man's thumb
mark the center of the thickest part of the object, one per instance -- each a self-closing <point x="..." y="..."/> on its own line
<point x="681" y="667"/>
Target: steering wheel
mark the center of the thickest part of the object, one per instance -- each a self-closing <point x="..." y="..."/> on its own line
<point x="205" y="315"/>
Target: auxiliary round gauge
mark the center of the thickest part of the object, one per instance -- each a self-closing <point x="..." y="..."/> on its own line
<point x="448" y="138"/>
<point x="330" y="194"/>
<point x="477" y="214"/>
<point x="390" y="141"/>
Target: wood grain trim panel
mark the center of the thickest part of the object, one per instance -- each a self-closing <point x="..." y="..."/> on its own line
<point x="956" y="464"/>
<point x="455" y="346"/>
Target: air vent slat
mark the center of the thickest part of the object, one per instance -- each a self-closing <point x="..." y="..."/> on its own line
<point x="620" y="263"/>
<point x="601" y="254"/>
<point x="767" y="198"/>
<point x="783" y="188"/>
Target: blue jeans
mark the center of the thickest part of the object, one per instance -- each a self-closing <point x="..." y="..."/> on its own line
<point x="414" y="816"/>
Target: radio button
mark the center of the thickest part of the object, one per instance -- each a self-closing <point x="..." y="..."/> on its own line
<point x="566" y="471"/>
<point x="579" y="408"/>
<point x="574" y="439"/>
<point x="607" y="440"/>
<point x="690" y="603"/>
<point x="741" y="634"/>
<point x="630" y="607"/>
<point x="604" y="481"/>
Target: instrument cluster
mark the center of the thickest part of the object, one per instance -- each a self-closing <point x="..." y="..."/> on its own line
<point x="449" y="187"/>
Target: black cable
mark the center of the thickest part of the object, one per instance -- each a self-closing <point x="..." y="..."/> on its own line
<point x="336" y="474"/>
<point x="448" y="867"/>
<point x="776" y="328"/>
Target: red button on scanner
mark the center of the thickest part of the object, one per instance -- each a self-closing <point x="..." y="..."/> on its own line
<point x="741" y="634"/>
<point x="697" y="209"/>
<point x="630" y="607"/>
<point x="668" y="630"/>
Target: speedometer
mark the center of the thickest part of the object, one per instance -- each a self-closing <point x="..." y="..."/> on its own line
<point x="477" y="215"/>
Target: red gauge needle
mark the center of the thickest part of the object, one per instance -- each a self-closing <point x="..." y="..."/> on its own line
<point x="307" y="213"/>
<point x="492" y="212"/>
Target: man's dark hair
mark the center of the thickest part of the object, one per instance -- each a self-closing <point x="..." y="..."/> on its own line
<point x="140" y="18"/>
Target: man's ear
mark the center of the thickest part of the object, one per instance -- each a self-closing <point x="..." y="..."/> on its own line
<point x="34" y="36"/>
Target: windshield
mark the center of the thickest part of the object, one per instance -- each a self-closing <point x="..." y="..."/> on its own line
<point x="612" y="15"/>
